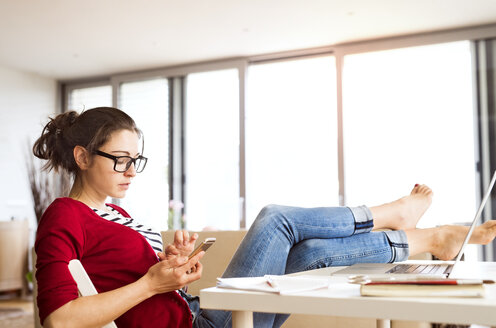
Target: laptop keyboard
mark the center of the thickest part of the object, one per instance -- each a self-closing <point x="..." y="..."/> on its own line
<point x="421" y="269"/>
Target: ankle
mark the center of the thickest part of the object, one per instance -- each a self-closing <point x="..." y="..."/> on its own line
<point x="421" y="241"/>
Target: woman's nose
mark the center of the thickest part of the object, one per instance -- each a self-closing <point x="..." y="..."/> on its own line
<point x="131" y="171"/>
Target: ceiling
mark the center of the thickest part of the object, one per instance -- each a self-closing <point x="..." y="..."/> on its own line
<point x="70" y="39"/>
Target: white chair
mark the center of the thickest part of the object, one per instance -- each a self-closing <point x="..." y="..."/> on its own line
<point x="84" y="284"/>
<point x="83" y="281"/>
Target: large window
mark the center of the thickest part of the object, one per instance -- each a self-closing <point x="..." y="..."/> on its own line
<point x="345" y="128"/>
<point x="90" y="97"/>
<point x="147" y="102"/>
<point x="212" y="150"/>
<point x="291" y="135"/>
<point x="409" y="118"/>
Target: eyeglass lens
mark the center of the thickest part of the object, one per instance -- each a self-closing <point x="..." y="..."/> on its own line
<point x="124" y="163"/>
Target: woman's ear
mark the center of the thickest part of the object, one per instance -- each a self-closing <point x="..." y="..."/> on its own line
<point x="82" y="157"/>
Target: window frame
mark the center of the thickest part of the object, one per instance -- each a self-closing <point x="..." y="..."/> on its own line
<point x="241" y="64"/>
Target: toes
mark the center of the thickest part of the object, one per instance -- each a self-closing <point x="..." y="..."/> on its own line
<point x="426" y="190"/>
<point x="421" y="189"/>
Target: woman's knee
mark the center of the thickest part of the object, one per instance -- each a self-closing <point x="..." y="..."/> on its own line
<point x="269" y="213"/>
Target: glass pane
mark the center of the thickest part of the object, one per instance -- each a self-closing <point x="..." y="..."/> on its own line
<point x="147" y="102"/>
<point x="86" y="98"/>
<point x="409" y="118"/>
<point x="291" y="135"/>
<point x="212" y="150"/>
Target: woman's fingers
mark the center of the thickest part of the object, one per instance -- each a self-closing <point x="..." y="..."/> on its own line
<point x="181" y="238"/>
<point x="176" y="263"/>
<point x="193" y="238"/>
<point x="191" y="264"/>
<point x="182" y="263"/>
<point x="195" y="272"/>
<point x="183" y="241"/>
<point x="185" y="237"/>
<point x="195" y="260"/>
<point x="195" y="268"/>
<point x="171" y="249"/>
<point x="178" y="237"/>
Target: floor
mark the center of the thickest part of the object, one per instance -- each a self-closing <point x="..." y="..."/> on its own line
<point x="15" y="311"/>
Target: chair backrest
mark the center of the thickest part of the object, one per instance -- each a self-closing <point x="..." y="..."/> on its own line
<point x="83" y="281"/>
<point x="37" y="323"/>
<point x="217" y="257"/>
<point x="85" y="286"/>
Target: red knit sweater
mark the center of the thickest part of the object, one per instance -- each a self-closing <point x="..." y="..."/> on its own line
<point x="112" y="254"/>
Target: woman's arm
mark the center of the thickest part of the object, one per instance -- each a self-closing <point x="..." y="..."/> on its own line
<point x="98" y="310"/>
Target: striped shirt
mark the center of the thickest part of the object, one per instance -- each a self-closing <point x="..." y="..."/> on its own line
<point x="152" y="237"/>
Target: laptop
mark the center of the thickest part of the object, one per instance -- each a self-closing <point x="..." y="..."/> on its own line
<point x="424" y="269"/>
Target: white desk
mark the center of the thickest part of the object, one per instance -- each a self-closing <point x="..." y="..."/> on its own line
<point x="342" y="299"/>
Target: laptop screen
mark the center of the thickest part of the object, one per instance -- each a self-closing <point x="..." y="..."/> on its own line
<point x="476" y="218"/>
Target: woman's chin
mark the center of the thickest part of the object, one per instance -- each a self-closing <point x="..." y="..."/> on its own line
<point x="119" y="195"/>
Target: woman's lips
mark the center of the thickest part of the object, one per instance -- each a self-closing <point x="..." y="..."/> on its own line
<point x="124" y="185"/>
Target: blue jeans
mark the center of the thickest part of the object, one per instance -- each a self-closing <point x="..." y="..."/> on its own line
<point x="290" y="239"/>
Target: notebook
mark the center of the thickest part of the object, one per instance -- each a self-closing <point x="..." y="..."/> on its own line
<point x="424" y="269"/>
<point x="275" y="284"/>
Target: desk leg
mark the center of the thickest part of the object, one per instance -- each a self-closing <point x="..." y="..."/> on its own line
<point x="242" y="319"/>
<point x="383" y="323"/>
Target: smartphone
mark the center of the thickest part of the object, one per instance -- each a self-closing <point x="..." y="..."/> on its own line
<point x="203" y="246"/>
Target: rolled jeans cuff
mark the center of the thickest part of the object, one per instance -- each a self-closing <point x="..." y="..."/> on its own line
<point x="363" y="219"/>
<point x="399" y="245"/>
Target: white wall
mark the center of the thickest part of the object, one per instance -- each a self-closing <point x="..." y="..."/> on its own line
<point x="26" y="101"/>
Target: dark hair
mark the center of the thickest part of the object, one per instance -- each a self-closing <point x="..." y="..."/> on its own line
<point x="90" y="129"/>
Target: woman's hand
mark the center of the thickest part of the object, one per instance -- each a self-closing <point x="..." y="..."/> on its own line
<point x="183" y="245"/>
<point x="172" y="274"/>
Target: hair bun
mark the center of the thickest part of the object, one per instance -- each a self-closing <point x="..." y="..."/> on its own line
<point x="61" y="122"/>
<point x="50" y="145"/>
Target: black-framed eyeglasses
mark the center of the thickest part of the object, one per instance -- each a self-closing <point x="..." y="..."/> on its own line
<point x="123" y="163"/>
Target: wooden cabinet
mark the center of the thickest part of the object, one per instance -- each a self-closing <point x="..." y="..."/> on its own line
<point x="14" y="241"/>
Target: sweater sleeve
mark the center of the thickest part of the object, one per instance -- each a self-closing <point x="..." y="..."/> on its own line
<point x="60" y="238"/>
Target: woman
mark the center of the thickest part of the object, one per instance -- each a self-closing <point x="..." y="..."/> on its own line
<point x="140" y="285"/>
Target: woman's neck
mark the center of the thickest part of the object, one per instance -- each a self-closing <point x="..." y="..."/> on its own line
<point x="80" y="194"/>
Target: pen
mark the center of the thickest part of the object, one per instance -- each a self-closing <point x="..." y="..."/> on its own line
<point x="432" y="282"/>
<point x="271" y="282"/>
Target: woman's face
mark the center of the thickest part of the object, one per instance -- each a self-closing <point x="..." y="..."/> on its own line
<point x="101" y="176"/>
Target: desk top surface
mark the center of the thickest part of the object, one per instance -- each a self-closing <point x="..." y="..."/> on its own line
<point x="343" y="299"/>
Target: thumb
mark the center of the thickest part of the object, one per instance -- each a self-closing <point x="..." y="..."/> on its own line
<point x="161" y="256"/>
<point x="178" y="261"/>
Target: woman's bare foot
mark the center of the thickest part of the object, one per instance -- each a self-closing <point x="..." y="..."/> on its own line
<point x="448" y="240"/>
<point x="403" y="213"/>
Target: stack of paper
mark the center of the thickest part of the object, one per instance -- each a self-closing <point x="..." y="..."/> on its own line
<point x="274" y="284"/>
<point x="424" y="288"/>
